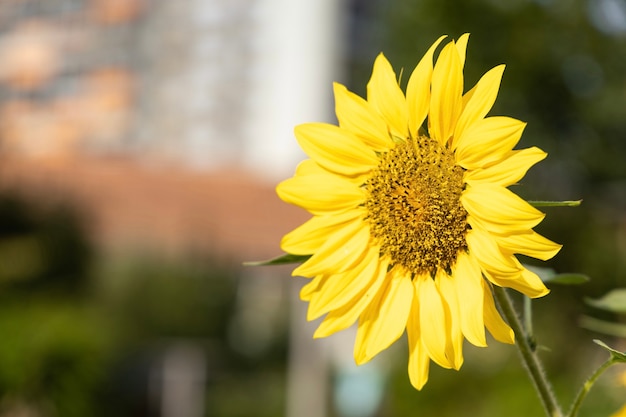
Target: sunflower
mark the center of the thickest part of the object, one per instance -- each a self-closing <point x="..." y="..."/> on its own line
<point x="412" y="222"/>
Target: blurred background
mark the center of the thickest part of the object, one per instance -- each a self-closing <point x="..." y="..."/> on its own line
<point x="140" y="143"/>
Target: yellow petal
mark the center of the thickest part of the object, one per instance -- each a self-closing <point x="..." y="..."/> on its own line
<point x="482" y="99"/>
<point x="461" y="47"/>
<point x="498" y="209"/>
<point x="344" y="317"/>
<point x="445" y="100"/>
<point x="336" y="149"/>
<point x="384" y="320"/>
<point x="466" y="98"/>
<point x="419" y="361"/>
<point x="447" y="288"/>
<point x="310" y="167"/>
<point x="343" y="248"/>
<point x="313" y="286"/>
<point x="487" y="141"/>
<point x="432" y="316"/>
<point x="468" y="280"/>
<point x="496" y="326"/>
<point x="307" y="238"/>
<point x="359" y="117"/>
<point x="530" y="244"/>
<point x="484" y="248"/>
<point x="321" y="193"/>
<point x="526" y="282"/>
<point x="418" y="90"/>
<point x="509" y="170"/>
<point x="385" y="95"/>
<point x="343" y="287"/>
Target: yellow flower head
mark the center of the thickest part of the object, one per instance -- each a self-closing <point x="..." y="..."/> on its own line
<point x="412" y="225"/>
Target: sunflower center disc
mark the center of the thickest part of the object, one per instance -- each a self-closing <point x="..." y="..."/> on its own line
<point x="414" y="206"/>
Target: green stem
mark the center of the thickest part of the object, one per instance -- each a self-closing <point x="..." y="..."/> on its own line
<point x="587" y="386"/>
<point x="528" y="322"/>
<point x="530" y="359"/>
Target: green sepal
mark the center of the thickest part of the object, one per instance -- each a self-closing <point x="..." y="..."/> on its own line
<point x="566" y="203"/>
<point x="613" y="301"/>
<point x="616" y="355"/>
<point x="287" y="258"/>
<point x="550" y="276"/>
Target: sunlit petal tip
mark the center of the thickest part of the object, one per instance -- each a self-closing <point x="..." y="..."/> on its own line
<point x="335" y="149"/>
<point x="457" y="360"/>
<point x="321" y="333"/>
<point x="359" y="117"/>
<point x="483" y="247"/>
<point x="499" y="210"/>
<point x="509" y="170"/>
<point x="309" y="237"/>
<point x="385" y="319"/>
<point x="419" y="364"/>
<point x="447" y="286"/>
<point x="360" y="357"/>
<point x="536" y="287"/>
<point x="382" y="70"/>
<point x="461" y="46"/>
<point x="498" y="328"/>
<point x="527" y="282"/>
<point x="468" y="278"/>
<point x="530" y="244"/>
<point x="345" y="316"/>
<point x="309" y="290"/>
<point x="418" y="381"/>
<point x="488" y="141"/>
<point x="309" y="167"/>
<point x="312" y="315"/>
<point x="432" y="321"/>
<point x="476" y="107"/>
<point x="321" y="193"/>
<point x="446" y="94"/>
<point x="418" y="89"/>
<point x="386" y="96"/>
<point x="342" y="289"/>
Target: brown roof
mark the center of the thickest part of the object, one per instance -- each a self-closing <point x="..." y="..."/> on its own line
<point x="133" y="206"/>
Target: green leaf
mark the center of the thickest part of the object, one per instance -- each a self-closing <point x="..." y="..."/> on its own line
<point x="616" y="355"/>
<point x="280" y="260"/>
<point x="569" y="279"/>
<point x="605" y="327"/>
<point x="550" y="276"/>
<point x="614" y="301"/>
<point x="566" y="203"/>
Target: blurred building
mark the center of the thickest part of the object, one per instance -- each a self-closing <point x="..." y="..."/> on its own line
<point x="146" y="105"/>
<point x="168" y="123"/>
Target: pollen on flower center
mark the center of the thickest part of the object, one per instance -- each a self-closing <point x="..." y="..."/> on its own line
<point x="414" y="207"/>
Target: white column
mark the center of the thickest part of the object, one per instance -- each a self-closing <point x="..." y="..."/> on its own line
<point x="183" y="381"/>
<point x="296" y="53"/>
<point x="297" y="57"/>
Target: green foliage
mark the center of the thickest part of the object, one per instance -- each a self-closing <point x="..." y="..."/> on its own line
<point x="614" y="301"/>
<point x="55" y="347"/>
<point x="151" y="297"/>
<point x="616" y="355"/>
<point x="82" y="335"/>
<point x="568" y="203"/>
<point x="53" y="353"/>
<point x="550" y="276"/>
<point x="280" y="260"/>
